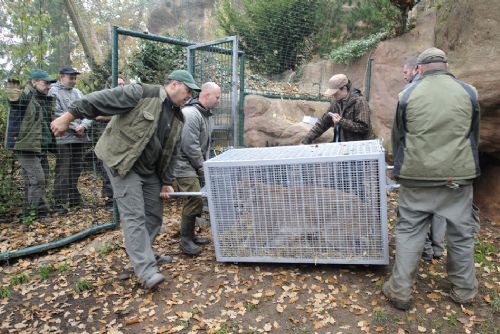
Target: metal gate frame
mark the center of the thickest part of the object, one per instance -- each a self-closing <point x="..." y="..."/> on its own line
<point x="237" y="56"/>
<point x="211" y="47"/>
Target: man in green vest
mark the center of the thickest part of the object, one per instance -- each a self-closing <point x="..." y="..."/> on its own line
<point x="138" y="149"/>
<point x="435" y="145"/>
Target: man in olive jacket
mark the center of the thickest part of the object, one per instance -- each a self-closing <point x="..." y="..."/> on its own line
<point x="195" y="148"/>
<point x="138" y="148"/>
<point x="29" y="136"/>
<point x="435" y="144"/>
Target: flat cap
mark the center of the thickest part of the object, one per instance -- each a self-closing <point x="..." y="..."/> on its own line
<point x="432" y="55"/>
<point x="68" y="70"/>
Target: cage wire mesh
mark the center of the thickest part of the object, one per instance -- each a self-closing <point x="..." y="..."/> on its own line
<point x="300" y="204"/>
<point x="215" y="63"/>
<point x="49" y="189"/>
<point x="277" y="38"/>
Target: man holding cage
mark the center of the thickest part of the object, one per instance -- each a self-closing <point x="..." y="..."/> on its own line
<point x="195" y="147"/>
<point x="139" y="149"/>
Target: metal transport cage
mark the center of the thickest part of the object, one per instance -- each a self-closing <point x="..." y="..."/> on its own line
<point x="322" y="203"/>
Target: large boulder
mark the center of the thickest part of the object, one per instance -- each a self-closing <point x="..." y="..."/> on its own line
<point x="273" y="122"/>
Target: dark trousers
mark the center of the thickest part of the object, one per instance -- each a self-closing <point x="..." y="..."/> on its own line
<point x="68" y="170"/>
<point x="107" y="189"/>
<point x="35" y="172"/>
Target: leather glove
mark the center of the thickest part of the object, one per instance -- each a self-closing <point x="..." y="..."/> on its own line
<point x="201" y="176"/>
<point x="14" y="90"/>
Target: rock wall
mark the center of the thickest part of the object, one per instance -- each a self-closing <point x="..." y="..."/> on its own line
<point x="468" y="31"/>
<point x="273" y="122"/>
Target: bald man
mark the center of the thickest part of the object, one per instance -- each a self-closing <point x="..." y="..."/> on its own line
<point x="195" y="148"/>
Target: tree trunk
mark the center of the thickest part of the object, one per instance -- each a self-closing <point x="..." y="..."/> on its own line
<point x="77" y="23"/>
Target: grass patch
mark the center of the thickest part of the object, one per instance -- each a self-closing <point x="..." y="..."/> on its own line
<point x="5" y="292"/>
<point x="495" y="302"/>
<point x="250" y="307"/>
<point x="104" y="249"/>
<point x="82" y="285"/>
<point x="379" y="317"/>
<point x="452" y="319"/>
<point x="46" y="270"/>
<point x="483" y="252"/>
<point x="19" y="279"/>
<point x="63" y="267"/>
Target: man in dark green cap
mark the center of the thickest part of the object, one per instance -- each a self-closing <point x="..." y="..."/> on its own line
<point x="139" y="148"/>
<point x="435" y="145"/>
<point x="29" y="136"/>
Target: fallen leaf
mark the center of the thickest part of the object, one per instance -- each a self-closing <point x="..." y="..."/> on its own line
<point x="422" y="329"/>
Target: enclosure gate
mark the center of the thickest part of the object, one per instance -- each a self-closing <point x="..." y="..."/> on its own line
<point x="217" y="61"/>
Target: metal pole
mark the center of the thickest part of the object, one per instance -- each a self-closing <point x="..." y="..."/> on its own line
<point x="242" y="101"/>
<point x="114" y="57"/>
<point x="234" y="93"/>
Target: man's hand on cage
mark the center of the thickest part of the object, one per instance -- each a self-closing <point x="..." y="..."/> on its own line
<point x="165" y="189"/>
<point x="201" y="176"/>
<point x="61" y="124"/>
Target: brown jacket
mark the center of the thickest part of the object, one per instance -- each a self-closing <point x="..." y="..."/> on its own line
<point x="354" y="125"/>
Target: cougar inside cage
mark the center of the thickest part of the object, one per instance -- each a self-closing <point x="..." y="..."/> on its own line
<point x="322" y="203"/>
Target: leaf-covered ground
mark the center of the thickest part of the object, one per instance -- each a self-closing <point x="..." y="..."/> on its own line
<point x="86" y="288"/>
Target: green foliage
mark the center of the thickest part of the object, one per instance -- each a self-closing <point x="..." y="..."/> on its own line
<point x="29" y="217"/>
<point x="19" y="279"/>
<point x="29" y="41"/>
<point x="273" y="33"/>
<point x="355" y="49"/>
<point x="153" y="60"/>
<point x="369" y="17"/>
<point x="46" y="270"/>
<point x="82" y="285"/>
<point x="5" y="292"/>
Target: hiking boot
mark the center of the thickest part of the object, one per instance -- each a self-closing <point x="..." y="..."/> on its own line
<point x="403" y="305"/>
<point x="59" y="209"/>
<point x="153" y="281"/>
<point x="162" y="259"/>
<point x="201" y="240"/>
<point x="461" y="300"/>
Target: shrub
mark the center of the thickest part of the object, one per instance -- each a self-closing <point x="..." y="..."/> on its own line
<point x="355" y="49"/>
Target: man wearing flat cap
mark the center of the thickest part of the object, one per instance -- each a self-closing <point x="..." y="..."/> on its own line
<point x="435" y="145"/>
<point x="348" y="115"/>
<point x="139" y="149"/>
<point x="29" y="136"/>
<point x="70" y="147"/>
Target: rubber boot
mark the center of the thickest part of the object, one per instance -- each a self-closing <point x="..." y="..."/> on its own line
<point x="187" y="234"/>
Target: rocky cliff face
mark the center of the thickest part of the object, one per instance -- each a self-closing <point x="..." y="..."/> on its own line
<point x="468" y="31"/>
<point x="195" y="19"/>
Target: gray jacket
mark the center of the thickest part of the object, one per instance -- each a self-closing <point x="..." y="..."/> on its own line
<point x="65" y="96"/>
<point x="195" y="142"/>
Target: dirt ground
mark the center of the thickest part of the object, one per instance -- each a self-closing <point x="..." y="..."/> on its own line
<point x="85" y="288"/>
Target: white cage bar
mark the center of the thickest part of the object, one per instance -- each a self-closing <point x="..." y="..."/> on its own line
<point x="322" y="203"/>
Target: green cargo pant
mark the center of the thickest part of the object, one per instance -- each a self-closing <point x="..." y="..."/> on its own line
<point x="416" y="206"/>
<point x="193" y="205"/>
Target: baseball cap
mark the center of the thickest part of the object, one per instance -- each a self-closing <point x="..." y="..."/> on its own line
<point x="68" y="70"/>
<point x="432" y="55"/>
<point x="185" y="77"/>
<point x="335" y="83"/>
<point x="41" y="75"/>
